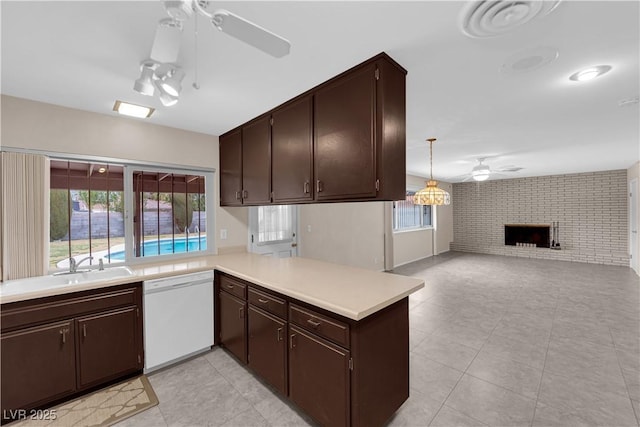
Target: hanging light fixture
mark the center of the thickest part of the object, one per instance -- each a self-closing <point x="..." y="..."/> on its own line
<point x="431" y="194"/>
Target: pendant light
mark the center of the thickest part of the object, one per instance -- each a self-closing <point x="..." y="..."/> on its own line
<point x="431" y="194"/>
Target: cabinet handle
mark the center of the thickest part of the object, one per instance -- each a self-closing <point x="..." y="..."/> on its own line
<point x="318" y="186"/>
<point x="305" y="188"/>
<point x="237" y="195"/>
<point x="292" y="343"/>
<point x="241" y="312"/>
<point x="63" y="332"/>
<point x="84" y="330"/>
<point x="279" y="335"/>
<point x="313" y="324"/>
<point x="264" y="301"/>
<point x="229" y="286"/>
<point x="245" y="194"/>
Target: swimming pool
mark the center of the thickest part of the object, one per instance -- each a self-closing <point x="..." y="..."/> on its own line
<point x="166" y="246"/>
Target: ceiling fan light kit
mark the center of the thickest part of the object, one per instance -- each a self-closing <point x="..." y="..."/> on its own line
<point x="431" y="194"/>
<point x="481" y="172"/>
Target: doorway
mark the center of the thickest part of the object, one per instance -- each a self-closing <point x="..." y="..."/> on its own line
<point x="273" y="230"/>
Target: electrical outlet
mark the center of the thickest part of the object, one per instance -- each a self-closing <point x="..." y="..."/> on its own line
<point x="223" y="234"/>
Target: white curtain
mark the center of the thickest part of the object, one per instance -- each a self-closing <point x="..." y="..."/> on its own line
<point x="24" y="200"/>
<point x="275" y="223"/>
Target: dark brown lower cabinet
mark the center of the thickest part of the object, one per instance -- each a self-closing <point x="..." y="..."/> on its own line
<point x="233" y="327"/>
<point x="267" y="348"/>
<point x="57" y="347"/>
<point x="319" y="378"/>
<point x="339" y="371"/>
<point x="107" y="346"/>
<point x="38" y="365"/>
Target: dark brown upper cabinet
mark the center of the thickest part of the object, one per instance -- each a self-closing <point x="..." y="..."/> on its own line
<point x="344" y="140"/>
<point x="292" y="152"/>
<point x="345" y="145"/>
<point x="231" y="169"/>
<point x="256" y="162"/>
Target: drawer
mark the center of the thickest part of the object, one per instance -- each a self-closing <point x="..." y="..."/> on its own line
<point x="319" y="324"/>
<point x="33" y="312"/>
<point x="233" y="286"/>
<point x="270" y="303"/>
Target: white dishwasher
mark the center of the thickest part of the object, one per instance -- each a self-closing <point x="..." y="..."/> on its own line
<point x="178" y="318"/>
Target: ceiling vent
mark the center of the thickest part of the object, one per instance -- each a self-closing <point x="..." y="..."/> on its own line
<point x="482" y="18"/>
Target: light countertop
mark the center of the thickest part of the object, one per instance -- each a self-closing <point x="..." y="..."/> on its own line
<point x="348" y="291"/>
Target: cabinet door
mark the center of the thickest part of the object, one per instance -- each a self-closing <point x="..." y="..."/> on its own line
<point x="267" y="349"/>
<point x="233" y="330"/>
<point x="231" y="169"/>
<point x="256" y="162"/>
<point x="344" y="122"/>
<point x="292" y="145"/>
<point x="319" y="378"/>
<point x="38" y="365"/>
<point x="108" y="346"/>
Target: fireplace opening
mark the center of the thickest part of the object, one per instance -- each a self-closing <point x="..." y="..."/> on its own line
<point x="537" y="234"/>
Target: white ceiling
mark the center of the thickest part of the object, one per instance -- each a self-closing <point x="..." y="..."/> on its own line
<point x="86" y="54"/>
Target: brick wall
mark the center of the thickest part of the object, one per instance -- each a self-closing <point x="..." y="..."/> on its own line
<point x="80" y="224"/>
<point x="591" y="208"/>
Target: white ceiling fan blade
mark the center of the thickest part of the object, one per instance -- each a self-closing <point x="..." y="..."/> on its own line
<point x="251" y="33"/>
<point x="166" y="44"/>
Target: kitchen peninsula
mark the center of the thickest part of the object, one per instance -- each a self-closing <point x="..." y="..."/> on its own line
<point x="333" y="339"/>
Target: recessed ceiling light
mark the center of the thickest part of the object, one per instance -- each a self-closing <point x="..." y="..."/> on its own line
<point x="590" y="73"/>
<point x="133" y="110"/>
<point x="102" y="170"/>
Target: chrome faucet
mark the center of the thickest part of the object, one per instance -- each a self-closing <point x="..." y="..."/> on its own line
<point x="73" y="264"/>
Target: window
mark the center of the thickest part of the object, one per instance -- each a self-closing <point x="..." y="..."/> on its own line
<point x="169" y="213"/>
<point x="86" y="212"/>
<point x="407" y="216"/>
<point x="89" y="206"/>
<point x="275" y="224"/>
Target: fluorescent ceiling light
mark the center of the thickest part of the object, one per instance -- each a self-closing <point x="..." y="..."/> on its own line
<point x="590" y="73"/>
<point x="132" y="110"/>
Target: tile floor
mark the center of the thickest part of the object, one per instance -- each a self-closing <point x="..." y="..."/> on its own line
<point x="497" y="341"/>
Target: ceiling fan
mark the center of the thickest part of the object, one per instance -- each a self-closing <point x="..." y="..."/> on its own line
<point x="160" y="73"/>
<point x="482" y="172"/>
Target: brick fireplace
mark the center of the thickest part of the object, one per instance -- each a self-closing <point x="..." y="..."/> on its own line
<point x="528" y="234"/>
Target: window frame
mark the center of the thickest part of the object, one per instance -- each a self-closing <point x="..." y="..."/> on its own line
<point x="129" y="211"/>
<point x="128" y="167"/>
<point x="422" y="226"/>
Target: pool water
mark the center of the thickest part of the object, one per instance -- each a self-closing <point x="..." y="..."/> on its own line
<point x="166" y="246"/>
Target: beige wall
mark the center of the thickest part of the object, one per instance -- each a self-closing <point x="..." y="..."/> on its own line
<point x="344" y="233"/>
<point x="409" y="246"/>
<point x="37" y="126"/>
<point x="634" y="172"/>
<point x="444" y="222"/>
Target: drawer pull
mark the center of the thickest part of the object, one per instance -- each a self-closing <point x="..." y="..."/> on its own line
<point x="229" y="286"/>
<point x="313" y="323"/>
<point x="264" y="301"/>
<point x="279" y="335"/>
